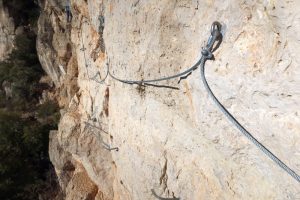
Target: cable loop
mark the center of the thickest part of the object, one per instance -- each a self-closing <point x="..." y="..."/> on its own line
<point x="215" y="27"/>
<point x="206" y="55"/>
<point x="216" y="35"/>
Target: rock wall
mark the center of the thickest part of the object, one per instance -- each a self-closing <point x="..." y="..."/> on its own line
<point x="118" y="141"/>
<point x="7" y="32"/>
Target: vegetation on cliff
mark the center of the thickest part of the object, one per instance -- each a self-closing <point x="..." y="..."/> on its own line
<point x="24" y="123"/>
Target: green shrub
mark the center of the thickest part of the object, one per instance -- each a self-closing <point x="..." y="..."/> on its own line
<point x="23" y="11"/>
<point x="24" y="126"/>
<point x="24" y="156"/>
<point x="23" y="70"/>
<point x="49" y="111"/>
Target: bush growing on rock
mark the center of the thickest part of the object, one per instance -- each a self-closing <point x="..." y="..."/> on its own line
<point x="24" y="125"/>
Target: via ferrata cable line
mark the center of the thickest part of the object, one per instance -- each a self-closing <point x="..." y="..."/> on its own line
<point x="207" y="55"/>
<point x="207" y="51"/>
<point x="188" y="71"/>
<point x="102" y="81"/>
<point x="100" y="138"/>
<point x="108" y="73"/>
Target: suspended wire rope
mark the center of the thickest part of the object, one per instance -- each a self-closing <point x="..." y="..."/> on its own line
<point x="215" y="36"/>
<point x="206" y="55"/>
<point x="101" y="81"/>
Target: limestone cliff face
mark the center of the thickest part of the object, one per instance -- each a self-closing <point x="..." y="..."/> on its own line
<point x="55" y="50"/>
<point x="7" y="32"/>
<point x="173" y="144"/>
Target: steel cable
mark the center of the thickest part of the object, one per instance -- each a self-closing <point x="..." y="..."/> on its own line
<point x="206" y="55"/>
<point x="189" y="70"/>
<point x="102" y="81"/>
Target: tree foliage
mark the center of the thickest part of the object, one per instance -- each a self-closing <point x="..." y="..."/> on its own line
<point x="24" y="12"/>
<point x="24" y="124"/>
<point x="23" y="70"/>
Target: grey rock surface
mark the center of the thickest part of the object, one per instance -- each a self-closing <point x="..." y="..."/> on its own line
<point x="7" y="32"/>
<point x="175" y="143"/>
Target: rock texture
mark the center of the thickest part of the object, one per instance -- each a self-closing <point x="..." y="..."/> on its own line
<point x="173" y="144"/>
<point x="55" y="50"/>
<point x="7" y="32"/>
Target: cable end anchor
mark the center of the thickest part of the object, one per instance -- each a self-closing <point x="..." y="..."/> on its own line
<point x="216" y="28"/>
<point x="215" y="36"/>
